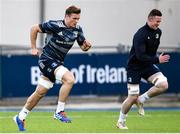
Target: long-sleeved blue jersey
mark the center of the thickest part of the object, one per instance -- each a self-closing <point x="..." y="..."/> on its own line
<point x="144" y="49"/>
<point x="60" y="39"/>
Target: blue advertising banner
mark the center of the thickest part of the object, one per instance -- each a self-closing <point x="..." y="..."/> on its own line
<point x="96" y="74"/>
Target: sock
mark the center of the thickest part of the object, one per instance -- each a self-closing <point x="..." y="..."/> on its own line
<point x="60" y="106"/>
<point x="122" y="117"/>
<point x="23" y="113"/>
<point x="144" y="97"/>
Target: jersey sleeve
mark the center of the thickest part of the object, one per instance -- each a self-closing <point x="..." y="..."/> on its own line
<point x="49" y="27"/>
<point x="80" y="38"/>
<point x="139" y="42"/>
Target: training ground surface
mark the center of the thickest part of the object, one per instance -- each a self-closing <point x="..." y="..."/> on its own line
<point x="93" y="121"/>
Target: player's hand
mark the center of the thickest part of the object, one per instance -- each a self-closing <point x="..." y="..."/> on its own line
<point x="86" y="45"/>
<point x="163" y="58"/>
<point x="34" y="51"/>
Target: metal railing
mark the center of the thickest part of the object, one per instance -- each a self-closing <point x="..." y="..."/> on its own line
<point x="120" y="48"/>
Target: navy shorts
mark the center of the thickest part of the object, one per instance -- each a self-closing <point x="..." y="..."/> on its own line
<point x="47" y="67"/>
<point x="134" y="75"/>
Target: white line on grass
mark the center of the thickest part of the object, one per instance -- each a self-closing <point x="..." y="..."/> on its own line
<point x="93" y="116"/>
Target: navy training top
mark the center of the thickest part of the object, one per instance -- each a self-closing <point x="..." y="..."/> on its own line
<point x="145" y="44"/>
<point x="60" y="39"/>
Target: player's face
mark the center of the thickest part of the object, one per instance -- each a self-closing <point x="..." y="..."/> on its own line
<point x="72" y="20"/>
<point x="154" y="22"/>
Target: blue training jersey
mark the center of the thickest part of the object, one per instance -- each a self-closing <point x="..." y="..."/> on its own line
<point x="60" y="39"/>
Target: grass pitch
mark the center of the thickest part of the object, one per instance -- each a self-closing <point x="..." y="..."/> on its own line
<point x="95" y="122"/>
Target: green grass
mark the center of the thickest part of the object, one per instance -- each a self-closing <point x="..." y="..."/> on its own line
<point x="95" y="122"/>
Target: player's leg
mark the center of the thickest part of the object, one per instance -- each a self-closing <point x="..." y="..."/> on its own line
<point x="134" y="78"/>
<point x="67" y="78"/>
<point x="133" y="93"/>
<point x="42" y="88"/>
<point x="160" y="85"/>
<point x="43" y="85"/>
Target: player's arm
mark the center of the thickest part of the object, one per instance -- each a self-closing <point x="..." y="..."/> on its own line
<point x="83" y="43"/>
<point x="86" y="45"/>
<point x="35" y="29"/>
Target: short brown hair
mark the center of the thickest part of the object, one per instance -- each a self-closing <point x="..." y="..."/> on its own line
<point x="72" y="9"/>
<point x="155" y="12"/>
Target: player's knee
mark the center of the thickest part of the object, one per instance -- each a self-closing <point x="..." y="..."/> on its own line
<point x="40" y="93"/>
<point x="70" y="80"/>
<point x="163" y="85"/>
<point x="161" y="82"/>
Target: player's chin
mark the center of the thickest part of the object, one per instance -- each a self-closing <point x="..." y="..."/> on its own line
<point x="155" y="27"/>
<point x="74" y="25"/>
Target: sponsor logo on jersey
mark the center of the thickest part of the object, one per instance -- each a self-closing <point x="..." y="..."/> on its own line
<point x="60" y="33"/>
<point x="75" y="34"/>
<point x="157" y="36"/>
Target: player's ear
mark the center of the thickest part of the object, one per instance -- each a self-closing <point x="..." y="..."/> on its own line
<point x="68" y="15"/>
<point x="150" y="18"/>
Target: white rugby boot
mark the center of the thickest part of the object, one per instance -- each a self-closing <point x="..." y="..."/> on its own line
<point x="121" y="125"/>
<point x="140" y="108"/>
